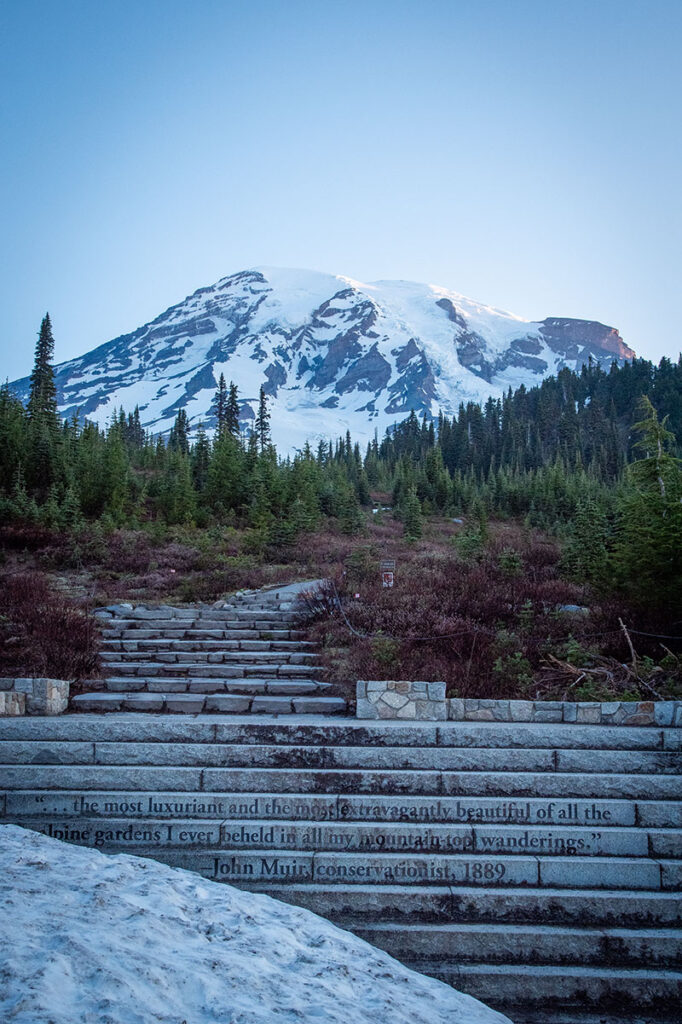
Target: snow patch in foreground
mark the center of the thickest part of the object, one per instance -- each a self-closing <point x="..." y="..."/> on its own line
<point x="86" y="937"/>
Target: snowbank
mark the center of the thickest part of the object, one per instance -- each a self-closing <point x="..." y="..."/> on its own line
<point x="122" y="940"/>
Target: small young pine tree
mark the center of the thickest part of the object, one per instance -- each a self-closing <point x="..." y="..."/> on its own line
<point x="351" y="519"/>
<point x="585" y="557"/>
<point x="412" y="516"/>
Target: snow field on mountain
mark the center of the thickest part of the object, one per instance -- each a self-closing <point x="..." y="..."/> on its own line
<point x="331" y="351"/>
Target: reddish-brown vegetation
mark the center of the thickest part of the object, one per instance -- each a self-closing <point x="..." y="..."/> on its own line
<point x="490" y="620"/>
<point x="43" y="632"/>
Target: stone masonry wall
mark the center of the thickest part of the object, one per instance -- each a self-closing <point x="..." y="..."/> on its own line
<point x="33" y="696"/>
<point x="426" y="701"/>
<point x="663" y="713"/>
<point x="401" y="699"/>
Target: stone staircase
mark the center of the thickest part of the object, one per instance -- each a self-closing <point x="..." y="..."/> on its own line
<point x="244" y="656"/>
<point x="536" y="866"/>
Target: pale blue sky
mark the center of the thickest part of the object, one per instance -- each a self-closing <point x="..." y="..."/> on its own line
<point x="526" y="154"/>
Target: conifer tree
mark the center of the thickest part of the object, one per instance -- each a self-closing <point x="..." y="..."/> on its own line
<point x="178" y="439"/>
<point x="351" y="519"/>
<point x="232" y="410"/>
<point x="585" y="557"/>
<point x="219" y="407"/>
<point x="262" y="425"/>
<point x="412" y="516"/>
<point x="44" y="467"/>
<point x="42" y="402"/>
<point x="201" y="458"/>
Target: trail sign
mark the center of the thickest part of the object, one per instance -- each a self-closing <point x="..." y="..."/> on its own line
<point x="387" y="579"/>
<point x="388" y="565"/>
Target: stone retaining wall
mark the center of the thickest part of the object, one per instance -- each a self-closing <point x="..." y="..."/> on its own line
<point x="402" y="699"/>
<point x="33" y="696"/>
<point x="427" y="701"/>
<point x="664" y="713"/>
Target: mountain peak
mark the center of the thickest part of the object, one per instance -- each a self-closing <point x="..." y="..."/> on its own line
<point x="333" y="353"/>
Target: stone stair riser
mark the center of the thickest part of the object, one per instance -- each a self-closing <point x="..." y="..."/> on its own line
<point x="243" y="686"/>
<point x="111" y="659"/>
<point x="351" y="906"/>
<point x="244" y="834"/>
<point x="178" y="629"/>
<point x="408" y="783"/>
<point x="323" y="757"/>
<point x="413" y="812"/>
<point x="224" y="670"/>
<point x="350" y="733"/>
<point x="507" y="944"/>
<point x="407" y="870"/>
<point x="189" y="635"/>
<point x="166" y="646"/>
<point x="194" y="703"/>
<point x="506" y="987"/>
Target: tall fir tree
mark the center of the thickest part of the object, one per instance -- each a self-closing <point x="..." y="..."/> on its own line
<point x="42" y="402"/>
<point x="45" y="464"/>
<point x="201" y="458"/>
<point x="262" y="425"/>
<point x="219" y="407"/>
<point x="232" y="410"/>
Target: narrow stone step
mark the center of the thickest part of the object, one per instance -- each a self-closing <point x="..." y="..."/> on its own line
<point x="264" y="611"/>
<point x="352" y="906"/>
<point x="196" y="702"/>
<point x="350" y="732"/>
<point x="175" y="627"/>
<point x="411" y="869"/>
<point x="349" y="781"/>
<point x="179" y="634"/>
<point x="213" y="657"/>
<point x="165" y="645"/>
<point x="533" y="944"/>
<point x="505" y="987"/>
<point x="206" y="670"/>
<point x="301" y="836"/>
<point x="176" y="673"/>
<point x="299" y="687"/>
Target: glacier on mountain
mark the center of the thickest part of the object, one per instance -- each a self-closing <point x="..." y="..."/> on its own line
<point x="332" y="353"/>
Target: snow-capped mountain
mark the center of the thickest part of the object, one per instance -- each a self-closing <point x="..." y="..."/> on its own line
<point x="332" y="353"/>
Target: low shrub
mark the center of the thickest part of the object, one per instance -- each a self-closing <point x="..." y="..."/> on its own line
<point x="44" y="633"/>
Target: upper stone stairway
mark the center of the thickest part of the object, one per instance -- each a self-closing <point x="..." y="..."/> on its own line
<point x="242" y="656"/>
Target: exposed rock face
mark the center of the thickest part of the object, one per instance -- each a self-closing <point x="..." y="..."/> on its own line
<point x="333" y="354"/>
<point x="579" y="338"/>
